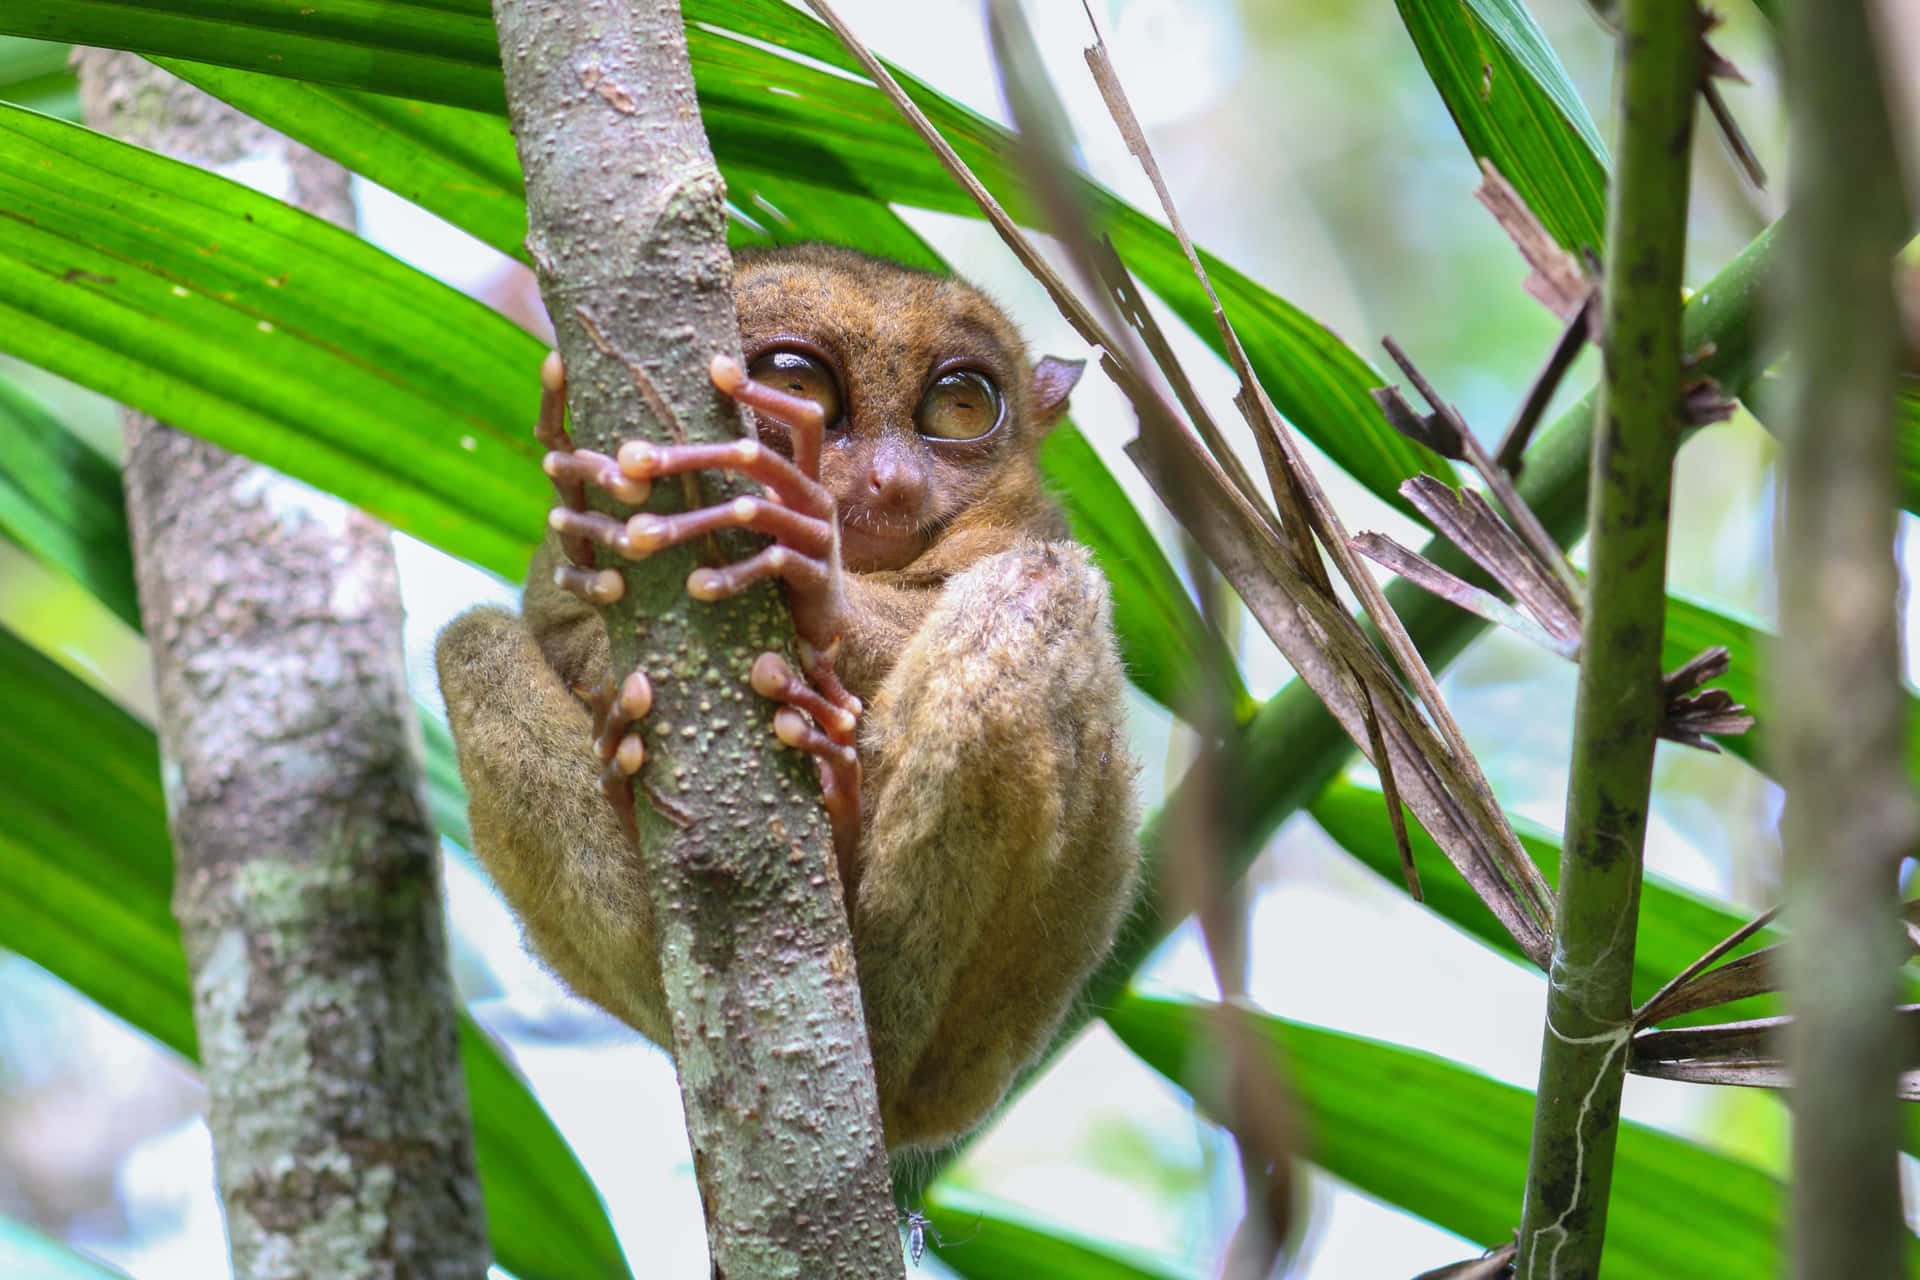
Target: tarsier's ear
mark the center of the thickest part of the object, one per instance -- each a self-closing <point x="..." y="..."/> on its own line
<point x="1053" y="381"/>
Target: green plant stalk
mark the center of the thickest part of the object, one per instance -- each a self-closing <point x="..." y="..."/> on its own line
<point x="1841" y="717"/>
<point x="1618" y="708"/>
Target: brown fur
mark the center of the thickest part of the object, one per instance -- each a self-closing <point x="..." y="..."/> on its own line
<point x="997" y="849"/>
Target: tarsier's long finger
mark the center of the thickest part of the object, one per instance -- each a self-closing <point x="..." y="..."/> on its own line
<point x="641" y="459"/>
<point x="595" y="586"/>
<point x="818" y="663"/>
<point x="551" y="427"/>
<point x="591" y="527"/>
<point x="773" y="678"/>
<point x="839" y="781"/>
<point x="805" y="574"/>
<point x="809" y="593"/>
<point x="576" y="467"/>
<point x="647" y="533"/>
<point x="803" y="419"/>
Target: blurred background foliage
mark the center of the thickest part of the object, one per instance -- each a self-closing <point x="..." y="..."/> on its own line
<point x="1308" y="147"/>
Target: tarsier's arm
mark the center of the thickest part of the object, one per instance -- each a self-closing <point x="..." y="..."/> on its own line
<point x="993" y="845"/>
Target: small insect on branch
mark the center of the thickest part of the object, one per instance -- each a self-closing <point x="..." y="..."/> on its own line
<point x="919" y="1228"/>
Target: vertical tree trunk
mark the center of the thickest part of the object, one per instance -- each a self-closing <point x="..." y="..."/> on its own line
<point x="1842" y="733"/>
<point x="307" y="874"/>
<point x="627" y="226"/>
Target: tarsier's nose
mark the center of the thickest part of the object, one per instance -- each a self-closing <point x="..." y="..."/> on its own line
<point x="896" y="478"/>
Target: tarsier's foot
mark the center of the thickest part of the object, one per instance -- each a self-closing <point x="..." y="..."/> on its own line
<point x="616" y="712"/>
<point x="838" y="762"/>
<point x="796" y="511"/>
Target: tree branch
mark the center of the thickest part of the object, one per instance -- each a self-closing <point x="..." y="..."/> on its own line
<point x="627" y="229"/>
<point x="1841" y="733"/>
<point x="1620" y="702"/>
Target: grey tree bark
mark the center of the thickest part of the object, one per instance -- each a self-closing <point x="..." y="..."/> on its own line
<point x="628" y="231"/>
<point x="306" y="869"/>
<point x="1841" y="735"/>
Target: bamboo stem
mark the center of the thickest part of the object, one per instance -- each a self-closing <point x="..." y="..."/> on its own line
<point x="1618" y="709"/>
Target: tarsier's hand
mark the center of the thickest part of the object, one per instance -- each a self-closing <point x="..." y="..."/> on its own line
<point x="796" y="512"/>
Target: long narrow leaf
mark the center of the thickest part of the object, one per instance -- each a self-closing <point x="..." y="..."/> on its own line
<point x="62" y="502"/>
<point x="1451" y="1145"/>
<point x="988" y="1239"/>
<point x="440" y="50"/>
<point x="1514" y="105"/>
<point x="270" y="332"/>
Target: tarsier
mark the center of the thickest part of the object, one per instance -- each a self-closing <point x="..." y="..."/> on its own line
<point x="962" y="691"/>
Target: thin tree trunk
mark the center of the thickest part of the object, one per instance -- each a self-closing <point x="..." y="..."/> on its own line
<point x="628" y="230"/>
<point x="1841" y="737"/>
<point x="306" y="871"/>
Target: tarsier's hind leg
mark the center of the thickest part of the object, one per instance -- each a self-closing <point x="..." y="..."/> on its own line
<point x="541" y="825"/>
<point x="998" y="803"/>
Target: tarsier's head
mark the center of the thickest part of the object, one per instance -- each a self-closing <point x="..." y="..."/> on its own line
<point x="933" y="414"/>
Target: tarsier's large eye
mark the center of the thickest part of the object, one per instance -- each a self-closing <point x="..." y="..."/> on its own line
<point x="801" y="375"/>
<point x="962" y="405"/>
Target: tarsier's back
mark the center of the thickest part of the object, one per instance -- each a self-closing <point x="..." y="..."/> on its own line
<point x="991" y="850"/>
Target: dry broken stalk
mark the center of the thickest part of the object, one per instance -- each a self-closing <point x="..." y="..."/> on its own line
<point x="1295" y="489"/>
<point x="1313" y="630"/>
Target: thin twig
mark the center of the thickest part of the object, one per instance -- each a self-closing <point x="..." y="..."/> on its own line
<point x="1573" y="339"/>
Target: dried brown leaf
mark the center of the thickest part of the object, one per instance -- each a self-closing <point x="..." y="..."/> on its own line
<point x="1389" y="792"/>
<point x="1702" y="403"/>
<point x="1557" y="282"/>
<point x="1754" y="974"/>
<point x="1748" y="1053"/>
<point x="1519" y="515"/>
<point x="1430" y="577"/>
<point x="1657" y="1006"/>
<point x="1462" y="786"/>
<point x="1430" y="429"/>
<point x="1464" y="519"/>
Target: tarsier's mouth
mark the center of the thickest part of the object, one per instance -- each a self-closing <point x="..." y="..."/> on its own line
<point x="870" y="540"/>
